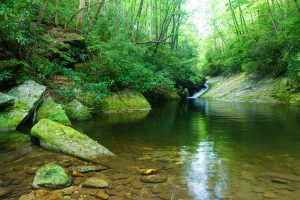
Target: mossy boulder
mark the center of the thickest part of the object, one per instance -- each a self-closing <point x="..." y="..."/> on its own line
<point x="27" y="96"/>
<point x="76" y="110"/>
<point x="125" y="102"/>
<point x="171" y="96"/>
<point x="6" y="100"/>
<point x="54" y="136"/>
<point x="13" y="146"/>
<point x="51" y="176"/>
<point x="51" y="110"/>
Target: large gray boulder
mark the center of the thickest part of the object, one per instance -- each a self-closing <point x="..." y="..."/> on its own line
<point x="75" y="110"/>
<point x="54" y="136"/>
<point x="27" y="96"/>
<point x="6" y="100"/>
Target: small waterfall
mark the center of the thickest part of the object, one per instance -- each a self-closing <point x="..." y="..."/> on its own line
<point x="200" y="92"/>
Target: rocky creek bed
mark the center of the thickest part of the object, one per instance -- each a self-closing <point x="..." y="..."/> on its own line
<point x="111" y="178"/>
<point x="121" y="178"/>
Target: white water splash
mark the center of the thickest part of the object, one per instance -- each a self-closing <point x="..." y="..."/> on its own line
<point x="200" y="92"/>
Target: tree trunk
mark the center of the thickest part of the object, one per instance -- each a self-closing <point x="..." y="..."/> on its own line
<point x="235" y="22"/>
<point x="80" y="15"/>
<point x="42" y="12"/>
<point x="95" y="18"/>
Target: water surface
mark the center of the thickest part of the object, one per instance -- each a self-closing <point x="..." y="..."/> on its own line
<point x="220" y="150"/>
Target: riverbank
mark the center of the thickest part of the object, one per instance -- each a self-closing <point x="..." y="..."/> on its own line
<point x="244" y="87"/>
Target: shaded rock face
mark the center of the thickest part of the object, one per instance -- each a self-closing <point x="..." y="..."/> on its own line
<point x="51" y="176"/>
<point x="6" y="100"/>
<point x="192" y="87"/>
<point x="125" y="102"/>
<point x="51" y="110"/>
<point x="75" y="110"/>
<point x="14" y="68"/>
<point x="27" y="96"/>
<point x="244" y="87"/>
<point x="13" y="146"/>
<point x="57" y="137"/>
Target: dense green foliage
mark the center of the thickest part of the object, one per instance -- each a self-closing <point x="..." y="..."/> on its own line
<point x="255" y="36"/>
<point x="81" y="48"/>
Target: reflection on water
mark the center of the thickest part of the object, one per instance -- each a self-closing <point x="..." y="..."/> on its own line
<point x="222" y="150"/>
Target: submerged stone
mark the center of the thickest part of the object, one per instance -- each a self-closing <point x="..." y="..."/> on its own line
<point x="51" y="110"/>
<point x="51" y="176"/>
<point x="154" y="179"/>
<point x="124" y="102"/>
<point x="57" y="137"/>
<point x="13" y="146"/>
<point x="27" y="96"/>
<point x="6" y="100"/>
<point x="76" y="110"/>
<point x="4" y="191"/>
<point x="91" y="168"/>
<point x="96" y="182"/>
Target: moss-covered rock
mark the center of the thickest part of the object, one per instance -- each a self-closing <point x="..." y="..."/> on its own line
<point x="13" y="146"/>
<point x="57" y="137"/>
<point x="125" y="102"/>
<point x="171" y="96"/>
<point x="51" y="176"/>
<point x="295" y="98"/>
<point x="51" y="110"/>
<point x="75" y="110"/>
<point x="6" y="100"/>
<point x="244" y="87"/>
<point x="27" y="96"/>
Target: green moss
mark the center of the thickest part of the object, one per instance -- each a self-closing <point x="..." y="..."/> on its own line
<point x="125" y="101"/>
<point x="54" y="136"/>
<point x="27" y="96"/>
<point x="171" y="96"/>
<point x="75" y="110"/>
<point x="51" y="110"/>
<point x="11" y="118"/>
<point x="295" y="98"/>
<point x="52" y="176"/>
<point x="242" y="87"/>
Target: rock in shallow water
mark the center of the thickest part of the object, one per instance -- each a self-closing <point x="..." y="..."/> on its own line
<point x="51" y="110"/>
<point x="154" y="178"/>
<point x="4" y="192"/>
<point x="96" y="182"/>
<point x="75" y="110"/>
<point x="101" y="195"/>
<point x="125" y="102"/>
<point x="27" y="96"/>
<point x="51" y="176"/>
<point x="270" y="195"/>
<point x="57" y="137"/>
<point x="91" y="168"/>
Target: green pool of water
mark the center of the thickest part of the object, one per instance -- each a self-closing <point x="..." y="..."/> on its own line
<point x="221" y="149"/>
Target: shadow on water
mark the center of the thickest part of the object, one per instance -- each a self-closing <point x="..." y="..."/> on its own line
<point x="223" y="147"/>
